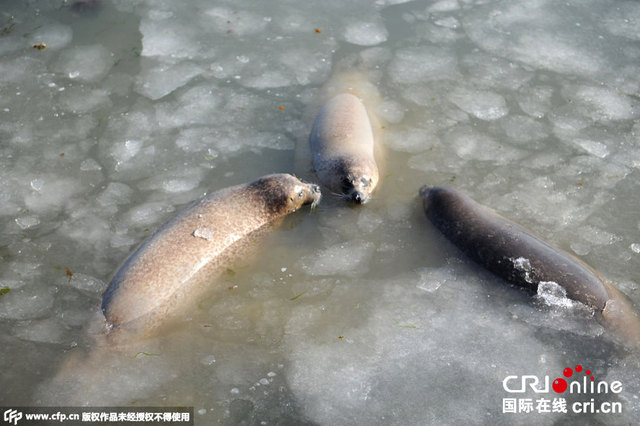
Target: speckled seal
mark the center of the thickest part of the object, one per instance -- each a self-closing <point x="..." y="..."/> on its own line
<point x="201" y="241"/>
<point x="517" y="255"/>
<point x="342" y="145"/>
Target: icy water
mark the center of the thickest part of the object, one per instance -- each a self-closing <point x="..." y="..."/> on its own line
<point x="346" y="315"/>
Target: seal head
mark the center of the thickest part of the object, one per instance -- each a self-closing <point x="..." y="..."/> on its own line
<point x="283" y="193"/>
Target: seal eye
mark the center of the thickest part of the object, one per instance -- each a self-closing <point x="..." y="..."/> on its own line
<point x="347" y="184"/>
<point x="300" y="195"/>
<point x="365" y="182"/>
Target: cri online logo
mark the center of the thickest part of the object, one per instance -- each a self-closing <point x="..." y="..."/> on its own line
<point x="519" y="384"/>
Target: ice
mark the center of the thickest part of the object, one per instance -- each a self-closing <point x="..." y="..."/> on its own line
<point x="54" y="195"/>
<point x="90" y="165"/>
<point x="80" y="101"/>
<point x="28" y="302"/>
<point x="43" y="331"/>
<point x="348" y="258"/>
<point x="523" y="130"/>
<point x="484" y="105"/>
<point x="198" y="105"/>
<point x="593" y="147"/>
<point x="535" y="100"/>
<point x="470" y="144"/>
<point x="124" y="151"/>
<point x="115" y="193"/>
<point x="419" y="64"/>
<point x="55" y="36"/>
<point x="169" y="38"/>
<point x="341" y="372"/>
<point x="148" y="214"/>
<point x="88" y="63"/>
<point x="623" y="20"/>
<point x="366" y="33"/>
<point x="235" y="22"/>
<point x="156" y="80"/>
<point x="346" y="314"/>
<point x="602" y="104"/>
<point x="448" y="22"/>
<point x="87" y="283"/>
<point x="204" y="233"/>
<point x="27" y="222"/>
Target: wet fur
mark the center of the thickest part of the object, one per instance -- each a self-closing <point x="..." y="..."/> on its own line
<point x="494" y="242"/>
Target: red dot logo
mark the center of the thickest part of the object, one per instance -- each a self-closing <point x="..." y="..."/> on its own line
<point x="578" y="368"/>
<point x="559" y="385"/>
<point x="567" y="372"/>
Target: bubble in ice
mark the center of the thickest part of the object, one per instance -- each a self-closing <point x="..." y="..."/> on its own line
<point x="365" y="33"/>
<point x="635" y="247"/>
<point x="444" y="6"/>
<point x="158" y="79"/>
<point x="86" y="283"/>
<point x="90" y="165"/>
<point x="208" y="360"/>
<point x="26" y="222"/>
<point x="87" y="63"/>
<point x="448" y="22"/>
<point x="482" y="104"/>
<point x="350" y="257"/>
<point x="418" y="64"/>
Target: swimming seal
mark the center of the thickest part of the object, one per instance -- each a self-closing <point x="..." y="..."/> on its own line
<point x="342" y="145"/>
<point x="520" y="257"/>
<point x="199" y="242"/>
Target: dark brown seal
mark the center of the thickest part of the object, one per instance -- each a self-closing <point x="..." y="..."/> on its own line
<point x="517" y="255"/>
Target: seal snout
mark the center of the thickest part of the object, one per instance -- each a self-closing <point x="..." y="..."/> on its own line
<point x="424" y="190"/>
<point x="358" y="197"/>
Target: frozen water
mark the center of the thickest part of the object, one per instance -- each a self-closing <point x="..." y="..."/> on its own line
<point x="366" y="33"/>
<point x="348" y="314"/>
<point x="88" y="63"/>
<point x="343" y="258"/>
<point x="418" y="64"/>
<point x="55" y="36"/>
<point x="483" y="105"/>
<point x="158" y="80"/>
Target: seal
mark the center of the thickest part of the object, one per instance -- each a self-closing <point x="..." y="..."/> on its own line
<point x="342" y="146"/>
<point x="180" y="259"/>
<point x="520" y="257"/>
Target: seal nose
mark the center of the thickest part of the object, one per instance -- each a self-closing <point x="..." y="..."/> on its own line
<point x="357" y="197"/>
<point x="425" y="190"/>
